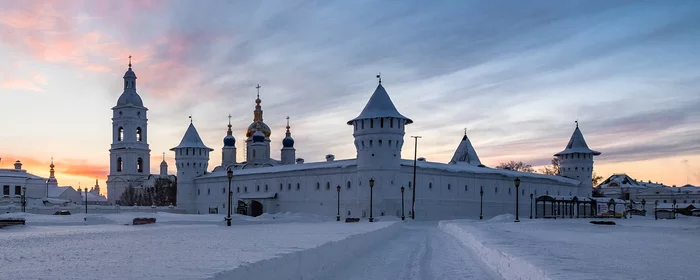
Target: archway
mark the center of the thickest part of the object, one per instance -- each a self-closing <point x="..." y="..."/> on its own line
<point x="256" y="208"/>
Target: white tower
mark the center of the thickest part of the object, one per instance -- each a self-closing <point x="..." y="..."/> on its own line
<point x="191" y="161"/>
<point x="576" y="162"/>
<point x="379" y="132"/>
<point x="130" y="156"/>
<point x="228" y="152"/>
<point x="288" y="151"/>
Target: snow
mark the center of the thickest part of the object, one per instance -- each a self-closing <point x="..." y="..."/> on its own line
<point x="637" y="248"/>
<point x="178" y="246"/>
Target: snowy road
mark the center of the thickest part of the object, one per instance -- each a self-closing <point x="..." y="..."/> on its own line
<point x="421" y="251"/>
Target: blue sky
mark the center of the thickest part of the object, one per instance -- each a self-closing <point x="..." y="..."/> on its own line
<point x="517" y="74"/>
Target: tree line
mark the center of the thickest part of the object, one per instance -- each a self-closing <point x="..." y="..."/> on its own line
<point x="162" y="193"/>
<point x="552" y="169"/>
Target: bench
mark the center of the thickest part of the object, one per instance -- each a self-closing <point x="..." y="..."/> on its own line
<point x="144" y="221"/>
<point x="11" y="222"/>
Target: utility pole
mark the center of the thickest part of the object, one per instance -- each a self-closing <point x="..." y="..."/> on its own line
<point x="415" y="157"/>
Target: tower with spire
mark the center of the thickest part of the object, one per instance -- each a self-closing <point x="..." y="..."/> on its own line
<point x="228" y="152"/>
<point x="576" y="162"/>
<point x="288" y="151"/>
<point x="465" y="153"/>
<point x="130" y="156"/>
<point x="191" y="160"/>
<point x="263" y="147"/>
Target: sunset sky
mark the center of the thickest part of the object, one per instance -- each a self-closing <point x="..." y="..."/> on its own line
<point x="516" y="74"/>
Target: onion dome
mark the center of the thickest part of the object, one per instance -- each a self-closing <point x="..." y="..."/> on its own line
<point x="229" y="140"/>
<point x="258" y="124"/>
<point x="258" y="137"/>
<point x="288" y="141"/>
<point x="129" y="96"/>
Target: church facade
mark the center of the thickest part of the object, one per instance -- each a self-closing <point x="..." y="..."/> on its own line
<point x="376" y="183"/>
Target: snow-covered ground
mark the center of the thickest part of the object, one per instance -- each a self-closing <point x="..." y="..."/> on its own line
<point x="420" y="251"/>
<point x="176" y="247"/>
<point x="637" y="248"/>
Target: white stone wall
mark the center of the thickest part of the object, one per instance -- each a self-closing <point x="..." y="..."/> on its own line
<point x="440" y="194"/>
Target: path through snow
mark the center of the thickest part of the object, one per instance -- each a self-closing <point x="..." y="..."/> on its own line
<point x="421" y="251"/>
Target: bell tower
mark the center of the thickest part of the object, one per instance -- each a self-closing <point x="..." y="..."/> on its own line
<point x="130" y="156"/>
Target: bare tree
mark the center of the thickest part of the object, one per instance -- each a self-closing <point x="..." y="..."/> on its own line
<point x="516" y="165"/>
<point x="551" y="169"/>
<point x="595" y="179"/>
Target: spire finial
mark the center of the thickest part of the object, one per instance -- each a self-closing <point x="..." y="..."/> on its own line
<point x="576" y="123"/>
<point x="288" y="133"/>
<point x="229" y="120"/>
<point x="287" y="122"/>
<point x="163" y="156"/>
<point x="190" y="118"/>
<point x="465" y="131"/>
<point x="258" y="87"/>
<point x="379" y="76"/>
<point x="129" y="61"/>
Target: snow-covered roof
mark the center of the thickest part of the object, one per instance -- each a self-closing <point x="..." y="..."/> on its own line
<point x="57" y="191"/>
<point x="378" y="106"/>
<point x="577" y="145"/>
<point x="284" y="168"/>
<point x="18" y="173"/>
<point x="465" y="153"/>
<point x="487" y="170"/>
<point x="191" y="140"/>
<point x="93" y="197"/>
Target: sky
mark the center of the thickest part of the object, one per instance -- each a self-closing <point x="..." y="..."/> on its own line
<point x="516" y="74"/>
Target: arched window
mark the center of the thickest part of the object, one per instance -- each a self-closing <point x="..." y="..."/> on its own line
<point x="298" y="186"/>
<point x="257" y="188"/>
<point x="289" y="186"/>
<point x="139" y="165"/>
<point x="389" y="143"/>
<point x="318" y="186"/>
<point x="119" y="164"/>
<point x="120" y="134"/>
<point x="409" y="185"/>
<point x="370" y="143"/>
<point x="238" y="189"/>
<point x="138" y="134"/>
<point x="466" y="188"/>
<point x="348" y="185"/>
<point x="328" y="185"/>
<point x="381" y="123"/>
<point x="380" y="143"/>
<point x="449" y="187"/>
<point x="430" y="185"/>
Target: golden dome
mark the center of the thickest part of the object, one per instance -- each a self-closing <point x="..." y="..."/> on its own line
<point x="258" y="125"/>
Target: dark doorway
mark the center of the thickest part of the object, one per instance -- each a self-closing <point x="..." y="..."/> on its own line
<point x="256" y="208"/>
<point x="242" y="208"/>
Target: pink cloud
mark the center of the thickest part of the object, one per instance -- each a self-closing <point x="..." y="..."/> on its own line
<point x="20" y="85"/>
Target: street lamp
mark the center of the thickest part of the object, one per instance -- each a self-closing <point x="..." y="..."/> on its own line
<point x="481" y="203"/>
<point x="86" y="201"/>
<point x="402" y="216"/>
<point x="644" y="208"/>
<point x="24" y="199"/>
<point x="531" y="206"/>
<point x="229" y="175"/>
<point x="337" y="218"/>
<point x="415" y="154"/>
<point x="674" y="208"/>
<point x="517" y="201"/>
<point x="656" y="205"/>
<point x="371" y="187"/>
<point x="630" y="209"/>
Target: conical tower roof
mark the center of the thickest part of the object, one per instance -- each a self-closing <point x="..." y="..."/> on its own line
<point x="465" y="153"/>
<point x="191" y="140"/>
<point x="380" y="106"/>
<point x="577" y="145"/>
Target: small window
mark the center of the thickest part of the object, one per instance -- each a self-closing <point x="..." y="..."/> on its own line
<point x="208" y="191"/>
<point x="257" y="188"/>
<point x="523" y="192"/>
<point x="430" y="185"/>
<point x="281" y="187"/>
<point x="370" y="143"/>
<point x="371" y="123"/>
<point x="318" y="186"/>
<point x="496" y="190"/>
<point x="664" y="201"/>
<point x="328" y="185"/>
<point x="18" y="190"/>
<point x="391" y="124"/>
<point x="449" y="187"/>
<point x="138" y="134"/>
<point x="245" y="189"/>
<point x="266" y="188"/>
<point x="508" y="190"/>
<point x="380" y="143"/>
<point x="6" y="190"/>
<point x="139" y="165"/>
<point x="298" y="186"/>
<point x="120" y="134"/>
<point x="363" y="127"/>
<point x="119" y="164"/>
<point x="197" y="191"/>
<point x="238" y="189"/>
<point x="381" y="123"/>
<point x="466" y="188"/>
<point x="223" y="190"/>
<point x="389" y="143"/>
<point x="409" y="185"/>
<point x="289" y="186"/>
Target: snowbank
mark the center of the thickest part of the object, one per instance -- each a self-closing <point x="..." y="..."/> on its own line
<point x="311" y="263"/>
<point x="507" y="266"/>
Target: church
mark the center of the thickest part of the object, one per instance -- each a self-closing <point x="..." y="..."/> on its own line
<point x="374" y="184"/>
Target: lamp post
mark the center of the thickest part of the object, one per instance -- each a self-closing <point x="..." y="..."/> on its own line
<point x="229" y="175"/>
<point x="481" y="202"/>
<point x="630" y="209"/>
<point x="517" y="201"/>
<point x="402" y="216"/>
<point x="337" y="218"/>
<point x="86" y="201"/>
<point x="24" y="199"/>
<point x="531" y="206"/>
<point x="644" y="208"/>
<point x="413" y="201"/>
<point x="674" y="208"/>
<point x="371" y="188"/>
<point x="656" y="205"/>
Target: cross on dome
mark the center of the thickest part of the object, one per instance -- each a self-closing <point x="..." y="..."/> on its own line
<point x="379" y="76"/>
<point x="190" y="118"/>
<point x="258" y="87"/>
<point x="129" y="61"/>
